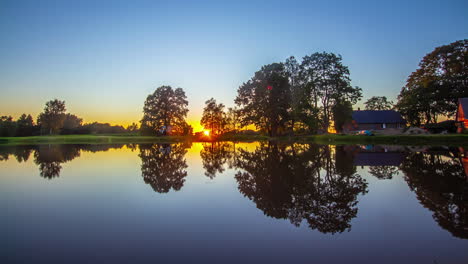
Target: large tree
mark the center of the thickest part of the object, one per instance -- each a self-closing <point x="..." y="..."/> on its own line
<point x="25" y="126"/>
<point x="7" y="126"/>
<point x="51" y="120"/>
<point x="214" y="117"/>
<point x="327" y="81"/>
<point x="434" y="88"/>
<point x="378" y="103"/>
<point x="342" y="114"/>
<point x="164" y="108"/>
<point x="264" y="100"/>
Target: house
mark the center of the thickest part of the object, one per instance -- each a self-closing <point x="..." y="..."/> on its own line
<point x="462" y="115"/>
<point x="376" y="120"/>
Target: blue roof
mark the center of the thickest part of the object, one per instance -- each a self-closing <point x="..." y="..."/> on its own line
<point x="377" y="116"/>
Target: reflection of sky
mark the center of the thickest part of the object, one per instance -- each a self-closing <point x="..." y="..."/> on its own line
<point x="100" y="206"/>
<point x="84" y="51"/>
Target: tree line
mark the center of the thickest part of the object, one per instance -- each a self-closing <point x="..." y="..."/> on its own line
<point x="310" y="96"/>
<point x="55" y="120"/>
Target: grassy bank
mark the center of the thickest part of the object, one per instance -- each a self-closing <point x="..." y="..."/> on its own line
<point x="449" y="140"/>
<point x="88" y="139"/>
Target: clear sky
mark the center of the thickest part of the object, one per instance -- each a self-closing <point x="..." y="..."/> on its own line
<point x="104" y="57"/>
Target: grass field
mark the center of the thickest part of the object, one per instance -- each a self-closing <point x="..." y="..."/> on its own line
<point x="450" y="140"/>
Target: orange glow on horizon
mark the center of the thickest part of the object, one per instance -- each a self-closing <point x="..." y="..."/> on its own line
<point x="206" y="132"/>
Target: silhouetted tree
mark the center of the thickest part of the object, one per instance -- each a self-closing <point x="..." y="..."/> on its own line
<point x="164" y="166"/>
<point x="342" y="114"/>
<point x="164" y="108"/>
<point x="264" y="100"/>
<point x="7" y="126"/>
<point x="378" y="103"/>
<point x="25" y="126"/>
<point x="133" y="128"/>
<point x="51" y="120"/>
<point x="434" y="88"/>
<point x="326" y="81"/>
<point x="214" y="117"/>
<point x="232" y="119"/>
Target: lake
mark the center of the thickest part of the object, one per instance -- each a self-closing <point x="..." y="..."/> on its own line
<point x="233" y="203"/>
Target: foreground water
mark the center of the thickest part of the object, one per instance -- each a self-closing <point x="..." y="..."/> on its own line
<point x="233" y="203"/>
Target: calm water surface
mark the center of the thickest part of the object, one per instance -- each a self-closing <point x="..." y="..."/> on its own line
<point x="233" y="203"/>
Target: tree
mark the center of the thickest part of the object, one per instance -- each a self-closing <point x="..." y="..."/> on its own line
<point x="52" y="118"/>
<point x="434" y="88"/>
<point x="378" y="103"/>
<point x="71" y="123"/>
<point x="264" y="100"/>
<point x="213" y="117"/>
<point x="133" y="128"/>
<point x="232" y="119"/>
<point x="164" y="108"/>
<point x="7" y="126"/>
<point x="25" y="126"/>
<point x="342" y="114"/>
<point x="326" y="81"/>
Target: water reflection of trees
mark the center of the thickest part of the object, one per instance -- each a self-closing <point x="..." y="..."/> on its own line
<point x="164" y="166"/>
<point x="50" y="158"/>
<point x="383" y="172"/>
<point x="302" y="182"/>
<point x="214" y="156"/>
<point x="440" y="184"/>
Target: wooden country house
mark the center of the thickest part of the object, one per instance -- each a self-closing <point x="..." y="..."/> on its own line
<point x="462" y="115"/>
<point x="376" y="120"/>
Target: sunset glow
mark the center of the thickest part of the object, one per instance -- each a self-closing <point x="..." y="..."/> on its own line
<point x="206" y="132"/>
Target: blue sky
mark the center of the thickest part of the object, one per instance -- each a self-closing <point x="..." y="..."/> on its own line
<point x="104" y="57"/>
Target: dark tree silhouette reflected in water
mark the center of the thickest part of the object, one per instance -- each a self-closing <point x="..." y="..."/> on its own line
<point x="440" y="184"/>
<point x="21" y="153"/>
<point x="384" y="172"/>
<point x="164" y="166"/>
<point x="302" y="182"/>
<point x="214" y="156"/>
<point x="49" y="158"/>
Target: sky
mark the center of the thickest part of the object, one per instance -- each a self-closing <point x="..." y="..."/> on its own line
<point x="104" y="57"/>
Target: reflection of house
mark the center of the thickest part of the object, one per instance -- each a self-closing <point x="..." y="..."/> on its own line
<point x="376" y="155"/>
<point x="376" y="120"/>
<point x="462" y="114"/>
<point x="379" y="158"/>
<point x="464" y="160"/>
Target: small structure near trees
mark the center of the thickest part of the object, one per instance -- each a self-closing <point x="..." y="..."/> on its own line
<point x="376" y="120"/>
<point x="462" y="115"/>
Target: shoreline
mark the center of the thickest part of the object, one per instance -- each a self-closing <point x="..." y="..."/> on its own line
<point x="447" y="140"/>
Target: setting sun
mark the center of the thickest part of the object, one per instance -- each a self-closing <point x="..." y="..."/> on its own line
<point x="206" y="132"/>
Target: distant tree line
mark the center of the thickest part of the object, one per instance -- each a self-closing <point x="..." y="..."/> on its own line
<point x="54" y="121"/>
